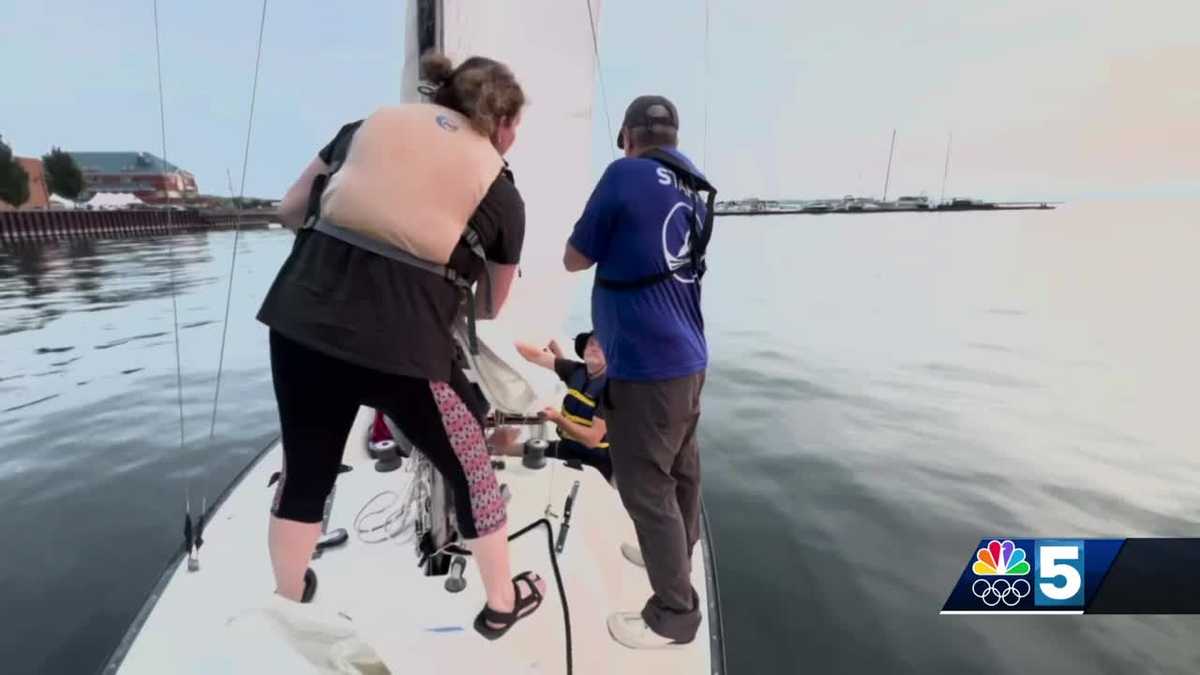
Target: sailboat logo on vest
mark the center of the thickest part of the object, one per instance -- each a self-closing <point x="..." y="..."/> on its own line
<point x="677" y="246"/>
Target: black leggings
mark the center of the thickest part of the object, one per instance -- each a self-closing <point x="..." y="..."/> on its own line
<point x="319" y="397"/>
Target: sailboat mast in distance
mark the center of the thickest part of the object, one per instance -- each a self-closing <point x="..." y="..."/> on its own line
<point x="888" y="176"/>
<point x="946" y="171"/>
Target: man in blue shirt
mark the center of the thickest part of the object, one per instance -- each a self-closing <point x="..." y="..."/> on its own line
<point x="646" y="228"/>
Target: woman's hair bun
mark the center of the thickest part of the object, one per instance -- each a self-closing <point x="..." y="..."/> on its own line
<point x="436" y="68"/>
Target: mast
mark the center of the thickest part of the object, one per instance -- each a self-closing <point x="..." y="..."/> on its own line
<point x="946" y="171"/>
<point x="429" y="25"/>
<point x="888" y="176"/>
<point x="423" y="32"/>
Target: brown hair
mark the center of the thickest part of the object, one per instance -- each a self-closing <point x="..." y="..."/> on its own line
<point x="483" y="90"/>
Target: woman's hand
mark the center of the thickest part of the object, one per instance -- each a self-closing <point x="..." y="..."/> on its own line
<point x="555" y="349"/>
<point x="552" y="414"/>
<point x="503" y="441"/>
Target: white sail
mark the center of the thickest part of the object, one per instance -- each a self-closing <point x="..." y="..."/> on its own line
<point x="548" y="45"/>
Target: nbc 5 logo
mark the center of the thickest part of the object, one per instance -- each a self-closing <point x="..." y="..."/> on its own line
<point x="1058" y="567"/>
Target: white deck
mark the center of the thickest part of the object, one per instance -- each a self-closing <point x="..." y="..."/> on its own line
<point x="394" y="606"/>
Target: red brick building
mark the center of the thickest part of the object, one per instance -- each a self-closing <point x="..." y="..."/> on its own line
<point x="39" y="194"/>
<point x="148" y="177"/>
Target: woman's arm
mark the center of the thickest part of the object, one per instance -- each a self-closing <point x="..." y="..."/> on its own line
<point x="295" y="203"/>
<point x="501" y="283"/>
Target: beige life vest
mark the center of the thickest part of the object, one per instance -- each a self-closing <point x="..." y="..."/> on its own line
<point x="414" y="175"/>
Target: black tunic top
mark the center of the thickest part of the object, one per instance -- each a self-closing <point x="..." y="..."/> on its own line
<point x="379" y="313"/>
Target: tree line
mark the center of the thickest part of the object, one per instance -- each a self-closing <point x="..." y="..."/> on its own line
<point x="63" y="176"/>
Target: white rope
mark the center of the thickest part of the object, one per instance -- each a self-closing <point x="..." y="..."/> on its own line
<point x="390" y="520"/>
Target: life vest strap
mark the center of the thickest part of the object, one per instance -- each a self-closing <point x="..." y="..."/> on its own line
<point x="583" y="398"/>
<point x="576" y="419"/>
<point x="398" y="254"/>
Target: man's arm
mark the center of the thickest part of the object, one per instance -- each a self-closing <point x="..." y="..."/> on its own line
<point x="592" y="233"/>
<point x="589" y="436"/>
<point x="575" y="261"/>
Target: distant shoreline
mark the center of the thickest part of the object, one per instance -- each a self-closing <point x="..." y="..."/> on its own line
<point x="857" y="206"/>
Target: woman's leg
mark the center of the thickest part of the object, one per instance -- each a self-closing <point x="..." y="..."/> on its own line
<point x="434" y="416"/>
<point x="317" y="400"/>
<point x="291" y="544"/>
<point x="491" y="556"/>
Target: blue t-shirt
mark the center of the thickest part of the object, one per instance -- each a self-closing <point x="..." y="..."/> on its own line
<point x="635" y="225"/>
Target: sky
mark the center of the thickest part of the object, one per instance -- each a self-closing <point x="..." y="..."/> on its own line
<point x="1046" y="99"/>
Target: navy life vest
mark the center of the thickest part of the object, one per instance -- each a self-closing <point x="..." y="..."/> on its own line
<point x="579" y="405"/>
<point x="699" y="239"/>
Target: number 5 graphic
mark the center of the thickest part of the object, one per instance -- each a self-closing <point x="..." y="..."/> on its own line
<point x="1059" y="573"/>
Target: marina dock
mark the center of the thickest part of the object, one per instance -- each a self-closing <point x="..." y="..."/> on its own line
<point x="757" y="207"/>
<point x="47" y="225"/>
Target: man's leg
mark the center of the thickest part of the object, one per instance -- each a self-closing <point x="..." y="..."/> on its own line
<point x="646" y="434"/>
<point x="686" y="469"/>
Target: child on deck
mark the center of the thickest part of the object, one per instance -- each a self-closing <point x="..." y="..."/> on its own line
<point x="580" y="420"/>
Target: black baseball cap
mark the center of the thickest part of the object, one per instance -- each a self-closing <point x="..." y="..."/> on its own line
<point x="581" y="341"/>
<point x="648" y="111"/>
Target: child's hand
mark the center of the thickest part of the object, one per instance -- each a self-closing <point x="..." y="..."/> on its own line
<point x="528" y="351"/>
<point x="555" y="349"/>
<point x="552" y="414"/>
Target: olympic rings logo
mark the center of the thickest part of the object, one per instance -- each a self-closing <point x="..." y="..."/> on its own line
<point x="992" y="593"/>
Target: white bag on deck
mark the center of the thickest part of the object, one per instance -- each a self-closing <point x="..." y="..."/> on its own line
<point x="283" y="636"/>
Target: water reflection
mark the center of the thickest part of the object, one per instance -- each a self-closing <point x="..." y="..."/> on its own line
<point x="93" y="272"/>
<point x="92" y="475"/>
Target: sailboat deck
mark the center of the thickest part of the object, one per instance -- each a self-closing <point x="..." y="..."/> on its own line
<point x="409" y="619"/>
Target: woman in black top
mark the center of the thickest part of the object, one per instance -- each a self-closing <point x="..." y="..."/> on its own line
<point x="350" y="327"/>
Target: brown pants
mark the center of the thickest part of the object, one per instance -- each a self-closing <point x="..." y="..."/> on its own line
<point x="652" y="429"/>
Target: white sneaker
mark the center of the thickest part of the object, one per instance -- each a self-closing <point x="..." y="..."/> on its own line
<point x="633" y="554"/>
<point x="631" y="630"/>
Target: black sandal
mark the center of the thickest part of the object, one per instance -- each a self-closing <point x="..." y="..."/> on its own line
<point x="310" y="585"/>
<point x="522" y="607"/>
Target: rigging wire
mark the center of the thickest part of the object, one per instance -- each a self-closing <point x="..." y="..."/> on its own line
<point x="600" y="78"/>
<point x="707" y="81"/>
<point x="237" y="230"/>
<point x="162" y="122"/>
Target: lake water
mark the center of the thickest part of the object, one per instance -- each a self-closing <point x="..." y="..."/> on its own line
<point x="884" y="391"/>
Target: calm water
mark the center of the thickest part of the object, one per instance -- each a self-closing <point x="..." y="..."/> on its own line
<point x="885" y="390"/>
